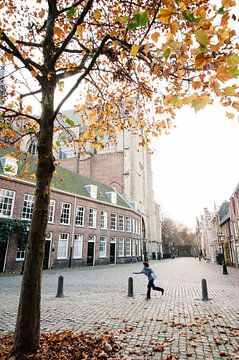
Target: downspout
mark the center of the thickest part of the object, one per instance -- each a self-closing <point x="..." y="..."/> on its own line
<point x="5" y="258"/>
<point x="72" y="233"/>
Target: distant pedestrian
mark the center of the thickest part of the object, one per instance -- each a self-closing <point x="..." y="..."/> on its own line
<point x="151" y="277"/>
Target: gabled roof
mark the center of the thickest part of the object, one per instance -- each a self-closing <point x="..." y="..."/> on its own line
<point x="63" y="179"/>
<point x="223" y="212"/>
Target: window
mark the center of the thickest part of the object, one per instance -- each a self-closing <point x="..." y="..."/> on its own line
<point x="113" y="222"/>
<point x="112" y="196"/>
<point x="80" y="211"/>
<point x="92" y="191"/>
<point x="121" y="247"/>
<point x="63" y="246"/>
<point x="27" y="207"/>
<point x="92" y="218"/>
<point x="78" y="244"/>
<point x="65" y="213"/>
<point x="51" y="211"/>
<point x="128" y="247"/>
<point x="20" y="254"/>
<point x="133" y="248"/>
<point x="32" y="148"/>
<point x="128" y="223"/>
<point x="121" y="223"/>
<point x="133" y="226"/>
<point x="7" y="198"/>
<point x="102" y="246"/>
<point x="103" y="220"/>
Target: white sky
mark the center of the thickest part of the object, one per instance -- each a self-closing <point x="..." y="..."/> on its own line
<point x="196" y="164"/>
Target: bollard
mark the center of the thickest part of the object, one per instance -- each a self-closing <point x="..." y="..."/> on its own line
<point x="130" y="287"/>
<point x="60" y="287"/>
<point x="204" y="290"/>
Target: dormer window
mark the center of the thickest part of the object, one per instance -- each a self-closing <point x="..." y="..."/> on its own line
<point x="112" y="196"/>
<point x="92" y="191"/>
<point x="9" y="165"/>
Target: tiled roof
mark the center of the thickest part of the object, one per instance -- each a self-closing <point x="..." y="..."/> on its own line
<point x="224" y="214"/>
<point x="63" y="179"/>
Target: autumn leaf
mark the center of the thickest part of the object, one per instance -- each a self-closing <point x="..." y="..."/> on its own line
<point x="80" y="30"/>
<point x="134" y="50"/>
<point x="199" y="102"/>
<point x="233" y="60"/>
<point x="201" y="37"/>
<point x="165" y="15"/>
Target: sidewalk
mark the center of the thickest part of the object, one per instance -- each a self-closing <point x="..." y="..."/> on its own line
<point x="176" y="324"/>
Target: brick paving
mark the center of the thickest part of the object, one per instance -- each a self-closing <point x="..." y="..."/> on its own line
<point x="176" y="324"/>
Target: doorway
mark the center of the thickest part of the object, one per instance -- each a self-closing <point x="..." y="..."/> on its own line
<point x="3" y="248"/>
<point x="90" y="253"/>
<point x="112" y="253"/>
<point x="46" y="254"/>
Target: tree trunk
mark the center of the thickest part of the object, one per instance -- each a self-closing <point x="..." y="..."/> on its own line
<point x="27" y="332"/>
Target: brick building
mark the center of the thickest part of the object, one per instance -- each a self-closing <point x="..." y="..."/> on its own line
<point x="89" y="222"/>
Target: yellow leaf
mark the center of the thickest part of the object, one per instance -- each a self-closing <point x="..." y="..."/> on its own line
<point x="12" y="39"/>
<point x="202" y="37"/>
<point x="233" y="60"/>
<point x="229" y="91"/>
<point x="199" y="102"/>
<point x="230" y="115"/>
<point x="80" y="30"/>
<point x="165" y="15"/>
<point x="134" y="50"/>
<point x="228" y="3"/>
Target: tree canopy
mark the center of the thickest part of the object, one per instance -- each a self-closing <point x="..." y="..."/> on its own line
<point x="136" y="61"/>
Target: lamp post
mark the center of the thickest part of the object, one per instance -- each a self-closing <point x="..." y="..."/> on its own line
<point x="224" y="266"/>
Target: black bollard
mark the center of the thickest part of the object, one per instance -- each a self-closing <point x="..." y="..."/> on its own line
<point x="130" y="287"/>
<point x="204" y="290"/>
<point x="60" y="287"/>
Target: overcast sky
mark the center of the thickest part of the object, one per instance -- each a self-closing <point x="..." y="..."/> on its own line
<point x="197" y="164"/>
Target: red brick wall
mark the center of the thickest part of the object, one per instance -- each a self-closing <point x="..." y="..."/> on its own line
<point x="21" y="189"/>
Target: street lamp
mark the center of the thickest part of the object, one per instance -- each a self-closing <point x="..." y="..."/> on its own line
<point x="224" y="266"/>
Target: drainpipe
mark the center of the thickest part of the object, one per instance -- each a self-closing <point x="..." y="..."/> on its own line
<point x="5" y="257"/>
<point x="72" y="233"/>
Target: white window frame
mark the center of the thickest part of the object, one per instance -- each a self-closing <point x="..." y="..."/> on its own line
<point x="128" y="249"/>
<point x="103" y="220"/>
<point x="134" y="247"/>
<point x="128" y="224"/>
<point x="121" y="222"/>
<point x="78" y="246"/>
<point x="65" y="213"/>
<point x="113" y="221"/>
<point x="20" y="255"/>
<point x="80" y="216"/>
<point x="51" y="211"/>
<point x="7" y="199"/>
<point x="63" y="243"/>
<point x="133" y="226"/>
<point x="102" y="250"/>
<point x="120" y="247"/>
<point x="92" y="218"/>
<point x="27" y="208"/>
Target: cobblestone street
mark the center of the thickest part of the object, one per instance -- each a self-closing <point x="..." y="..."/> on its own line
<point x="178" y="323"/>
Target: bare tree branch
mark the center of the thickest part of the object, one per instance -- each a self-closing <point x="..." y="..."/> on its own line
<point x="93" y="61"/>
